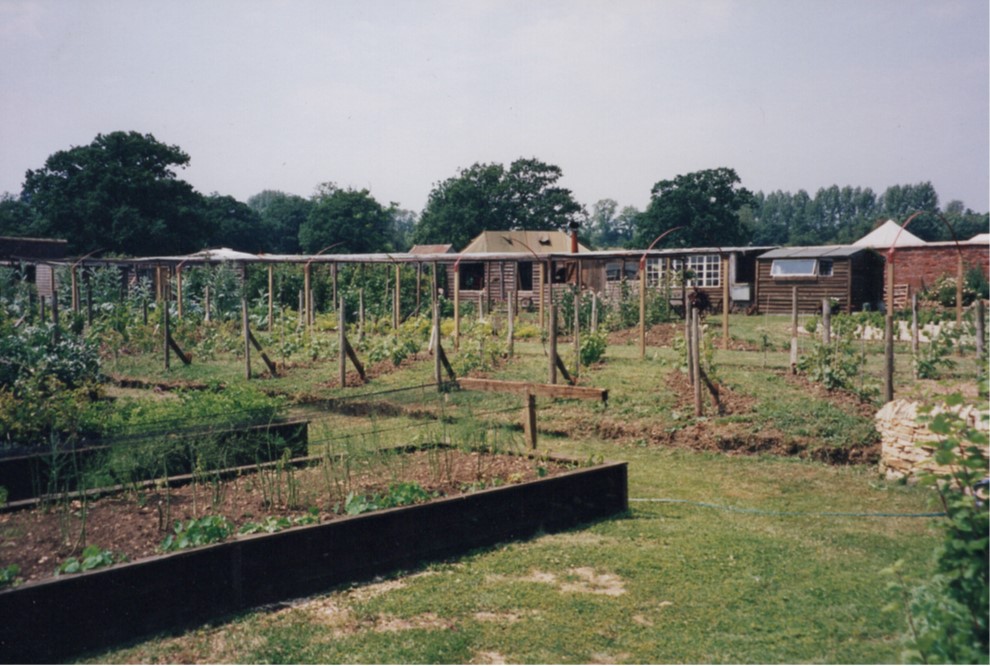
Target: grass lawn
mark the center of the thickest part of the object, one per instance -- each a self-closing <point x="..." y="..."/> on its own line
<point x="745" y="565"/>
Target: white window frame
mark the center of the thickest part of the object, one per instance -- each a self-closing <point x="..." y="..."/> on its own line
<point x="707" y="269"/>
<point x="794" y="268"/>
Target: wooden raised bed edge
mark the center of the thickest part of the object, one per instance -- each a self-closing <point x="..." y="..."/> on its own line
<point x="51" y="620"/>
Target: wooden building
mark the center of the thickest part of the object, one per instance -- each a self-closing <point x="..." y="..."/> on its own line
<point x="851" y="276"/>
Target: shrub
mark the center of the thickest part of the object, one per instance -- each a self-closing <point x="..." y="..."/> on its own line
<point x="948" y="615"/>
<point x="593" y="347"/>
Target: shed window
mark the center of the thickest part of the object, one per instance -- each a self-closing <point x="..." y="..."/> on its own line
<point x="784" y="268"/>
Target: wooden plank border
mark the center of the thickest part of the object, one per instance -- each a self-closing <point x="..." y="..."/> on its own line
<point x="53" y="620"/>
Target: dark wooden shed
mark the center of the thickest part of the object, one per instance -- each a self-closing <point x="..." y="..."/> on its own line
<point x="851" y="276"/>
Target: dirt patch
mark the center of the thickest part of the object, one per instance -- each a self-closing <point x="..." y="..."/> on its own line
<point x="665" y="335"/>
<point x="135" y="523"/>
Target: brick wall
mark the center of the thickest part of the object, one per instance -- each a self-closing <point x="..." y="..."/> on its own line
<point x="919" y="267"/>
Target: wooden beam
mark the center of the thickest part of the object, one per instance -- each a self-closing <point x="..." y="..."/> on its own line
<point x="544" y="390"/>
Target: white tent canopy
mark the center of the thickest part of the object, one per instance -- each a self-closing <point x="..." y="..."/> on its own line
<point x="885" y="235"/>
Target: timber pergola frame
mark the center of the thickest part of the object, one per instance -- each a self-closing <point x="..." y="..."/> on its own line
<point x="398" y="259"/>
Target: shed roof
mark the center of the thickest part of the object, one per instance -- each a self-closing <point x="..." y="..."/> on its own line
<point x="815" y="252"/>
<point x="446" y="248"/>
<point x="539" y="242"/>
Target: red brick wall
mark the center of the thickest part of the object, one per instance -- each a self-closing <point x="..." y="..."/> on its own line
<point x="919" y="267"/>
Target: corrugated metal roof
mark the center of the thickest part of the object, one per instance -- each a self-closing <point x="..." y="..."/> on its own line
<point x="815" y="252"/>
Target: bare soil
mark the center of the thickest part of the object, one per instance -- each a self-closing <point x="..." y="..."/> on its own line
<point x="135" y="523"/>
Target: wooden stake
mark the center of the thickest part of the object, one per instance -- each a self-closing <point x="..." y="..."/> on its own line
<point x="553" y="344"/>
<point x="981" y="330"/>
<point x="457" y="308"/>
<point x="725" y="302"/>
<point x="827" y="321"/>
<point x="642" y="309"/>
<point x="794" y="330"/>
<point x="342" y="343"/>
<point x="271" y="297"/>
<point x="696" y="361"/>
<point x="510" y="335"/>
<point x="529" y="420"/>
<point x="888" y="338"/>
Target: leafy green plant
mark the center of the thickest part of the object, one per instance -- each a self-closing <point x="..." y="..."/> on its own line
<point x="948" y="615"/>
<point x="399" y="494"/>
<point x="92" y="557"/>
<point x="8" y="576"/>
<point x="934" y="356"/>
<point x="593" y="347"/>
<point x="197" y="532"/>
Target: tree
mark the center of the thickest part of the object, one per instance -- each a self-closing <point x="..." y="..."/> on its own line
<point x="16" y="217"/>
<point x="120" y="194"/>
<point x="235" y="224"/>
<point x="489" y="197"/>
<point x="608" y="227"/>
<point x="706" y="203"/>
<point x="461" y="207"/>
<point x="281" y="215"/>
<point x="899" y="202"/>
<point x="350" y="218"/>
<point x="403" y="226"/>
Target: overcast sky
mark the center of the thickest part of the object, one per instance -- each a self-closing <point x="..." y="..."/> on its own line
<point x="398" y="95"/>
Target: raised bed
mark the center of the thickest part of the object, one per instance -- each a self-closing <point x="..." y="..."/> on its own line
<point x="25" y="476"/>
<point x="54" y="619"/>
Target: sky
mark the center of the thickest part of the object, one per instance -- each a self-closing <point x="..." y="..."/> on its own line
<point x="396" y="96"/>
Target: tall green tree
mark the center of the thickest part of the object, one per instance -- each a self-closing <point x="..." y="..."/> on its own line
<point x="282" y="215"/>
<point x="350" y="219"/>
<point x="899" y="202"/>
<point x="706" y="203"/>
<point x="491" y="197"/>
<point x="610" y="227"/>
<point x="16" y="217"/>
<point x="236" y="225"/>
<point x="120" y="194"/>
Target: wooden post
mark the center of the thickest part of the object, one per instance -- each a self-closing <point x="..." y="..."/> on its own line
<point x="689" y="342"/>
<point x="827" y="321"/>
<point x="74" y="289"/>
<point x="307" y="307"/>
<point x="179" y="310"/>
<point x="552" y="325"/>
<point x="888" y="335"/>
<point x="529" y="420"/>
<point x="333" y="276"/>
<point x="980" y="327"/>
<point x="419" y="284"/>
<point x="457" y="307"/>
<point x="89" y="300"/>
<point x="271" y="297"/>
<point x="915" y="333"/>
<point x="342" y="342"/>
<point x="642" y="309"/>
<point x="437" y="376"/>
<point x="577" y="326"/>
<point x="542" y="278"/>
<point x="167" y="332"/>
<point x="794" y="330"/>
<point x="510" y="335"/>
<point x="302" y="309"/>
<point x="41" y="307"/>
<point x="696" y="360"/>
<point x="397" y="299"/>
<point x="247" y="330"/>
<point x="55" y="318"/>
<point x="594" y="312"/>
<point x="725" y="302"/>
<point x="959" y="296"/>
<point x="360" y="313"/>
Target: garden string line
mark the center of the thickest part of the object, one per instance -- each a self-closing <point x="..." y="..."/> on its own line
<point x="767" y="512"/>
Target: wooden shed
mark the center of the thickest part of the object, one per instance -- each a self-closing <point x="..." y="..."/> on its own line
<point x="851" y="276"/>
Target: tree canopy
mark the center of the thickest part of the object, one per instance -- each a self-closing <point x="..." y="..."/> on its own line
<point x="118" y="193"/>
<point x="350" y="219"/>
<point x="489" y="197"/>
<point x="705" y="203"/>
<point x="282" y="215"/>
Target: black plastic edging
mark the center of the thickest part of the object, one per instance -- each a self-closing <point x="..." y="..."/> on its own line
<point x="52" y="620"/>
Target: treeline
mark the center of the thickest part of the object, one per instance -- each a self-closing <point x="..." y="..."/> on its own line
<point x="120" y="195"/>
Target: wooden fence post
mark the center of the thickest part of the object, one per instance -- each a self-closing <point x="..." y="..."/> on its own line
<point x="577" y="325"/>
<point x="594" y="312"/>
<point x="271" y="297"/>
<point x="888" y="338"/>
<point x="247" y="334"/>
<point x="794" y="330"/>
<point x="642" y="309"/>
<point x="725" y="302"/>
<point x="981" y="330"/>
<point x="827" y="321"/>
<point x="696" y="359"/>
<point x="552" y="324"/>
<point x="510" y="335"/>
<point x="529" y="420"/>
<point x="342" y="342"/>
